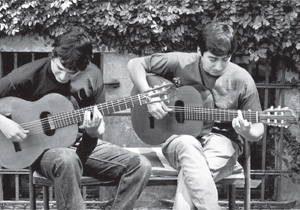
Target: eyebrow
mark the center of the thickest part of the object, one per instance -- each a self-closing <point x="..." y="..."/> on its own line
<point x="214" y="56"/>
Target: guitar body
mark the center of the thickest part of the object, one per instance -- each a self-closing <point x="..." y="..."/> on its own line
<point x="154" y="132"/>
<point x="36" y="143"/>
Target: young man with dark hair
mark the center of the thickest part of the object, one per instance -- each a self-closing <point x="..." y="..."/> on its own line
<point x="204" y="159"/>
<point x="69" y="72"/>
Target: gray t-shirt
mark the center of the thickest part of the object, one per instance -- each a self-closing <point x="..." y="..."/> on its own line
<point x="233" y="90"/>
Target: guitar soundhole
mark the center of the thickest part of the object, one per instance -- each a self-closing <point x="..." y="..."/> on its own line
<point x="179" y="111"/>
<point x="45" y="124"/>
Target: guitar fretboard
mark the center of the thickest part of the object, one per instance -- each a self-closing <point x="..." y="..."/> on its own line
<point x="76" y="116"/>
<point x="210" y="114"/>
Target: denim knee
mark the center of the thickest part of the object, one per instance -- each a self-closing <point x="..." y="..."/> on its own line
<point x="145" y="166"/>
<point x="66" y="161"/>
<point x="141" y="164"/>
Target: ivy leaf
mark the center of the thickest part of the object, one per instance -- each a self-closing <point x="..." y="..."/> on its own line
<point x="65" y="5"/>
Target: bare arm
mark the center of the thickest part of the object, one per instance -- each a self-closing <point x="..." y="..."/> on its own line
<point x="137" y="72"/>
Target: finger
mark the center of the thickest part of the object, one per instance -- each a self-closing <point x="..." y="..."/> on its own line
<point x="22" y="136"/>
<point x="236" y="123"/>
<point x="17" y="139"/>
<point x="96" y="114"/>
<point x="166" y="108"/>
<point x="87" y="117"/>
<point x="24" y="131"/>
<point x="156" y="115"/>
<point x="240" y="115"/>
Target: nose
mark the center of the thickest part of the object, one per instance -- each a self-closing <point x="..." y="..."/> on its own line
<point x="219" y="65"/>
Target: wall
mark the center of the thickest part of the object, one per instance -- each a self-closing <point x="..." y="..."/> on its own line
<point x="290" y="185"/>
<point x="118" y="127"/>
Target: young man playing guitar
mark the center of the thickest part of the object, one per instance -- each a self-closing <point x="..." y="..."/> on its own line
<point x="70" y="73"/>
<point x="203" y="160"/>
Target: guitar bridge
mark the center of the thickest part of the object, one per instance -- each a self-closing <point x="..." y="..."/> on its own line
<point x="17" y="146"/>
<point x="151" y="121"/>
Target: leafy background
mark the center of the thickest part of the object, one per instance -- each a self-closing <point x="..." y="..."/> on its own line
<point x="265" y="28"/>
<point x="268" y="31"/>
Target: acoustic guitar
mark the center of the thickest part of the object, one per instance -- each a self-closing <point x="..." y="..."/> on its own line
<point x="53" y="122"/>
<point x="193" y="114"/>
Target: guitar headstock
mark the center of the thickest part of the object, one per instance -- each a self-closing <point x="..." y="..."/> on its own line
<point x="164" y="92"/>
<point x="281" y="117"/>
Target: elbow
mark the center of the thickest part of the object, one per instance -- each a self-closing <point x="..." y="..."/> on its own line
<point x="131" y="64"/>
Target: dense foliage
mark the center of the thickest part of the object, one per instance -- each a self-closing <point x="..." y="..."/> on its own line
<point x="265" y="28"/>
<point x="291" y="148"/>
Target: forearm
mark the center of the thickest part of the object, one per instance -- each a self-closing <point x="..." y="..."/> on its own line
<point x="3" y="121"/>
<point x="137" y="72"/>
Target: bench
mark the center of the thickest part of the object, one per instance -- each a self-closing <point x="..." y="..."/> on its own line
<point x="162" y="174"/>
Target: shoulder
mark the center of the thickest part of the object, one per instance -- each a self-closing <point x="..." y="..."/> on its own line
<point x="30" y="69"/>
<point x="91" y="76"/>
<point x="174" y="58"/>
<point x="238" y="71"/>
<point x="238" y="75"/>
<point x="34" y="65"/>
<point x="93" y="70"/>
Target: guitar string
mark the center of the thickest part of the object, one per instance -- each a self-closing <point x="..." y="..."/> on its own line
<point x="121" y="104"/>
<point x="227" y="114"/>
<point x="67" y="117"/>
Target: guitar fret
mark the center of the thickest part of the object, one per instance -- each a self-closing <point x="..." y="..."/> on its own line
<point x="107" y="108"/>
<point x="66" y="120"/>
<point x="119" y="105"/>
<point x="132" y="102"/>
<point x="139" y="99"/>
<point x="81" y="114"/>
<point x="125" y="103"/>
<point x="58" y="122"/>
<point x="101" y="108"/>
<point x="228" y="117"/>
<point x="112" y="106"/>
<point x="72" y="119"/>
<point x="51" y="122"/>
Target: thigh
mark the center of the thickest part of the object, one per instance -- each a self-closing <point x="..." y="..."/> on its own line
<point x="180" y="147"/>
<point x="221" y="154"/>
<point x="109" y="162"/>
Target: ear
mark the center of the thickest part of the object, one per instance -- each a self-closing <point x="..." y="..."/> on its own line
<point x="198" y="50"/>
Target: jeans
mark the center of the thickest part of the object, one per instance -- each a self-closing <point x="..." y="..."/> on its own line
<point x="201" y="163"/>
<point x="107" y="162"/>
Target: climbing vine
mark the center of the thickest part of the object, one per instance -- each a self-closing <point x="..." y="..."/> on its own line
<point x="291" y="156"/>
<point x="264" y="28"/>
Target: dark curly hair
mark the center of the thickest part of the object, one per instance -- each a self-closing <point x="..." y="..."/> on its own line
<point x="218" y="38"/>
<point x="74" y="48"/>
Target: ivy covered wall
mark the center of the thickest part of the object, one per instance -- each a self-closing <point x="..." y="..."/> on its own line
<point x="265" y="28"/>
<point x="268" y="31"/>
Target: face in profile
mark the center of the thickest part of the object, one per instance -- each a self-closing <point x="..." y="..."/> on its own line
<point x="62" y="74"/>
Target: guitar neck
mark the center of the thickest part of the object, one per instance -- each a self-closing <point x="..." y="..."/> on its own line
<point x="76" y="116"/>
<point x="225" y="115"/>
